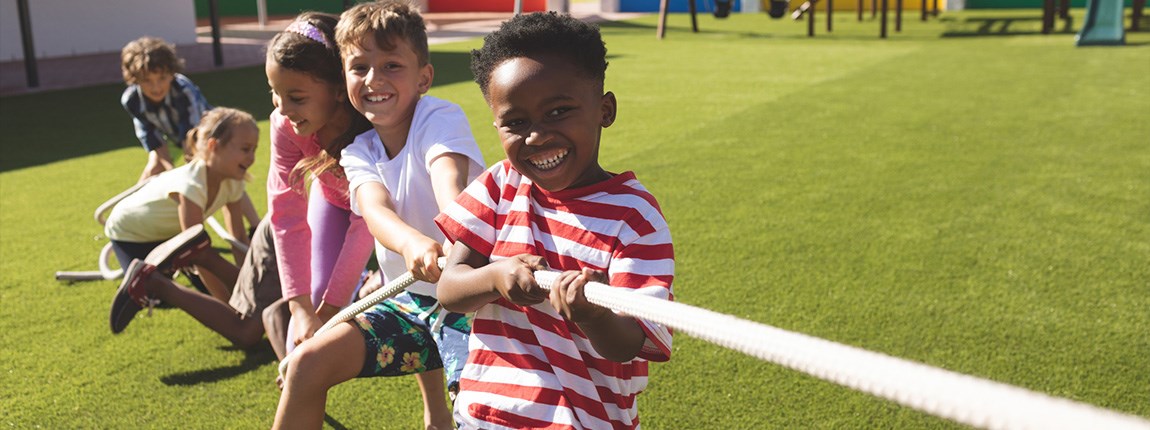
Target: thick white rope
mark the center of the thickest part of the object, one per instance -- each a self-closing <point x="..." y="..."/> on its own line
<point x="226" y="236"/>
<point x="362" y="305"/>
<point x="961" y="398"/>
<point x="101" y="215"/>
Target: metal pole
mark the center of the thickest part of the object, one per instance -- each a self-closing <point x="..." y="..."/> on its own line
<point x="262" y="13"/>
<point x="1137" y="14"/>
<point x="662" y="27"/>
<point x="518" y="7"/>
<point x="694" y="20"/>
<point x="898" y="16"/>
<point x="860" y="9"/>
<point x="1047" y="16"/>
<point x="811" y="19"/>
<point x="830" y="10"/>
<point x="923" y="10"/>
<point x="217" y="50"/>
<point x="884" y="8"/>
<point x="30" y="70"/>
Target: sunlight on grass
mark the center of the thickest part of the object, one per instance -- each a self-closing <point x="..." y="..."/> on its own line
<point x="960" y="195"/>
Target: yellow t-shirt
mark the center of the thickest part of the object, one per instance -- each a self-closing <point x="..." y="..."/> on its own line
<point x="151" y="215"/>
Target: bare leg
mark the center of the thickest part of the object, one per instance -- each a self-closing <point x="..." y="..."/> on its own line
<point x="317" y="365"/>
<point x="218" y="273"/>
<point x="215" y="286"/>
<point x="436" y="414"/>
<point x="213" y="313"/>
<point x="275" y="319"/>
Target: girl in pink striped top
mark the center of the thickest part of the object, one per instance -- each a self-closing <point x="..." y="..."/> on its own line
<point x="321" y="247"/>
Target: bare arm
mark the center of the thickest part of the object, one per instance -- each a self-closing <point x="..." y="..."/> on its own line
<point x="190" y="212"/>
<point x="236" y="213"/>
<point x="419" y="251"/>
<point x="159" y="161"/>
<point x="448" y="177"/>
<point x="233" y="216"/>
<point x="471" y="280"/>
<point x="248" y="209"/>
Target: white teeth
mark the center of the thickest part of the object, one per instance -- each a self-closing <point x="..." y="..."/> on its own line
<point x="377" y="98"/>
<point x="549" y="163"/>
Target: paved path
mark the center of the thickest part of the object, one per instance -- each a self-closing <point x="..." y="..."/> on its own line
<point x="242" y="44"/>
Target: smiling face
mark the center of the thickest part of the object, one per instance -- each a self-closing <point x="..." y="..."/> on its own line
<point x="309" y="103"/>
<point x="156" y="84"/>
<point x="385" y="84"/>
<point x="233" y="158"/>
<point x="550" y="119"/>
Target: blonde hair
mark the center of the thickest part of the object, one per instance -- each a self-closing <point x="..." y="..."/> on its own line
<point x="384" y="21"/>
<point x="148" y="54"/>
<point x="220" y="124"/>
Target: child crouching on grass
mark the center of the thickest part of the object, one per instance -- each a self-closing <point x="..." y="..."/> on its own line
<point x="142" y="225"/>
<point x="163" y="103"/>
<point x="417" y="159"/>
<point x="542" y="359"/>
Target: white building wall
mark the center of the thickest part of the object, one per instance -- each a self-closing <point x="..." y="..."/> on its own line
<point x="63" y="28"/>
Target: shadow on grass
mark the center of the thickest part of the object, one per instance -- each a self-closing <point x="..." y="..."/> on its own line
<point x="997" y="26"/>
<point x="331" y="421"/>
<point x="253" y="359"/>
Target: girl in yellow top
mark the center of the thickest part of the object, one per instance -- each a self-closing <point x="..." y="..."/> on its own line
<point x="225" y="144"/>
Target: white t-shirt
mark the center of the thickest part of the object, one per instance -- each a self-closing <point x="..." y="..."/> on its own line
<point x="438" y="127"/>
<point x="151" y="215"/>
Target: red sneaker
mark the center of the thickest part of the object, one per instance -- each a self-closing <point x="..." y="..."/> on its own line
<point x="178" y="251"/>
<point x="131" y="297"/>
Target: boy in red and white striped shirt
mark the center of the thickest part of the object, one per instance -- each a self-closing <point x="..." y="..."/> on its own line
<point x="542" y="359"/>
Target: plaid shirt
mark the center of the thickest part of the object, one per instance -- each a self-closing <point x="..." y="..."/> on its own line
<point x="179" y="112"/>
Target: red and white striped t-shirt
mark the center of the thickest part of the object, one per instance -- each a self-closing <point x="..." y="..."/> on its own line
<point x="528" y="367"/>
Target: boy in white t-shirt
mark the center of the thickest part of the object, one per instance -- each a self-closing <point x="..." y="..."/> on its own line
<point x="417" y="159"/>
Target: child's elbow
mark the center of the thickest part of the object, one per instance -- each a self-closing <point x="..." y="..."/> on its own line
<point x="452" y="303"/>
<point x="456" y="301"/>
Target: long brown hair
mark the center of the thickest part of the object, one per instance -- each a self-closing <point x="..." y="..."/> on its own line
<point x="320" y="59"/>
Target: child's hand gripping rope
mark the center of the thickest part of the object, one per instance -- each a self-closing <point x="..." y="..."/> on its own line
<point x="958" y="397"/>
<point x="362" y="305"/>
<point x="526" y="289"/>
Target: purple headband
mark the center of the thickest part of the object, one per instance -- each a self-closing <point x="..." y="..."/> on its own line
<point x="309" y="31"/>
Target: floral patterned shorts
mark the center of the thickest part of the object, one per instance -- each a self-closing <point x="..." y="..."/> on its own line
<point x="410" y="333"/>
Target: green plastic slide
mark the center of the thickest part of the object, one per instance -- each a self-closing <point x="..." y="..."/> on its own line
<point x="1103" y="25"/>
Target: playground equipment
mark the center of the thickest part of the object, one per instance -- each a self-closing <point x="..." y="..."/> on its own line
<point x="777" y="9"/>
<point x="1103" y="24"/>
<point x="106" y="259"/>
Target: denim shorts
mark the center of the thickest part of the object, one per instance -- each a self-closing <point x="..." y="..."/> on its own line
<point x="410" y="333"/>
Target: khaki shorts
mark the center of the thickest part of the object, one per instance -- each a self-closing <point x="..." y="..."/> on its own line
<point x="258" y="284"/>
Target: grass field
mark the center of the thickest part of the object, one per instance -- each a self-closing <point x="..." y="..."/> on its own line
<point x="973" y="196"/>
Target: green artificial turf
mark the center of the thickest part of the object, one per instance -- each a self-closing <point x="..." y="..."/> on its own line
<point x="967" y="193"/>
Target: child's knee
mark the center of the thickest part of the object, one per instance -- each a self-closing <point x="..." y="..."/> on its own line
<point x="312" y="366"/>
<point x="249" y="336"/>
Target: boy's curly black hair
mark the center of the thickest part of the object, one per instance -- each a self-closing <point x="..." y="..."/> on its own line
<point x="535" y="34"/>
